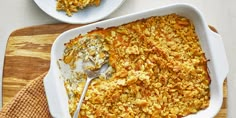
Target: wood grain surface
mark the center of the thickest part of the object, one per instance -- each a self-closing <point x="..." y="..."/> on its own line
<point x="28" y="56"/>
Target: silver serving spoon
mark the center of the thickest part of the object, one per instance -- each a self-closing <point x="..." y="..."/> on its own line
<point x="90" y="76"/>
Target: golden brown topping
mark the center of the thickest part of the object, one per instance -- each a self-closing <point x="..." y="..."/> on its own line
<point x="70" y="6"/>
<point x="159" y="70"/>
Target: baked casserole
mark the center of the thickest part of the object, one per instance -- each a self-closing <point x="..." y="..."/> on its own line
<point x="70" y="6"/>
<point x="157" y="69"/>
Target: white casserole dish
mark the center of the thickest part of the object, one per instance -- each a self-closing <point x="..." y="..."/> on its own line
<point x="211" y="44"/>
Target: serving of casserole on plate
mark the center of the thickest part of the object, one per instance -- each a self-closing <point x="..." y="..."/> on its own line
<point x="79" y="11"/>
<point x="163" y="63"/>
<point x="73" y="6"/>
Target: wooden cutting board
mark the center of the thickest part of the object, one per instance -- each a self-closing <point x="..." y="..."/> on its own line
<point x="28" y="56"/>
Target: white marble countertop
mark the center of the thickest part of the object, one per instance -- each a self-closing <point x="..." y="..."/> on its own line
<point x="218" y="13"/>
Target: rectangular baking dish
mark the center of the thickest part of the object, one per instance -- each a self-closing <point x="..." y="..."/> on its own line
<point x="211" y="44"/>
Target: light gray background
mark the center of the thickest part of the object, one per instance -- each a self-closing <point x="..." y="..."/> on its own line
<point x="221" y="14"/>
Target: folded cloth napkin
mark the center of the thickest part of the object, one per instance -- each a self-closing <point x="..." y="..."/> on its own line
<point x="30" y="102"/>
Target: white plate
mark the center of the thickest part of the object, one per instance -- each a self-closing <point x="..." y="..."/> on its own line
<point x="211" y="43"/>
<point x="87" y="15"/>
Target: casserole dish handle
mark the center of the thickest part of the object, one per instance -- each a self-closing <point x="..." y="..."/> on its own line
<point x="218" y="54"/>
<point x="54" y="98"/>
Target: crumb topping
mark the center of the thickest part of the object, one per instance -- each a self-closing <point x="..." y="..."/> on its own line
<point x="157" y="69"/>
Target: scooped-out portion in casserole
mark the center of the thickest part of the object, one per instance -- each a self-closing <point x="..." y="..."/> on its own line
<point x="157" y="69"/>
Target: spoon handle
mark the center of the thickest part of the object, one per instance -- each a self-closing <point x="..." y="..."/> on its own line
<point x="76" y="114"/>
